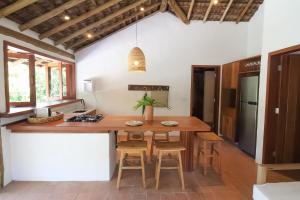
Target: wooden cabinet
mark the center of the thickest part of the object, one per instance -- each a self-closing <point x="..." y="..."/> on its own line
<point x="230" y="73"/>
<point x="230" y="91"/>
<point x="229" y="125"/>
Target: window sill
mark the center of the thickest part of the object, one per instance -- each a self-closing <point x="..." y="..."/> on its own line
<point x="17" y="111"/>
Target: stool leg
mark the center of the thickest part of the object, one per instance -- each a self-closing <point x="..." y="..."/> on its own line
<point x="158" y="169"/>
<point x="199" y="152"/>
<point x="152" y="147"/>
<point x="204" y="157"/>
<point x="181" y="171"/>
<point x="120" y="169"/>
<point x="219" y="158"/>
<point x="143" y="169"/>
<point x="212" y="153"/>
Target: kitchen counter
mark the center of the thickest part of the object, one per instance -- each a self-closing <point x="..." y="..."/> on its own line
<point x="111" y="123"/>
<point x="80" y="151"/>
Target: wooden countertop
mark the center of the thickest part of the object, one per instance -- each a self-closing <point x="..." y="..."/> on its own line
<point x="111" y="123"/>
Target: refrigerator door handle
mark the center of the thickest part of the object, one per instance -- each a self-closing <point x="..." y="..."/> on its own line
<point x="252" y="103"/>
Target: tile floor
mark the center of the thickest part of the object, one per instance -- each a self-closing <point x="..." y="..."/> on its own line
<point x="238" y="176"/>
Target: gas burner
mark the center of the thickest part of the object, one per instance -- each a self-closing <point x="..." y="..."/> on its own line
<point x="85" y="118"/>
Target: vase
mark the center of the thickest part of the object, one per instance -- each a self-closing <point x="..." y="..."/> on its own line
<point x="148" y="115"/>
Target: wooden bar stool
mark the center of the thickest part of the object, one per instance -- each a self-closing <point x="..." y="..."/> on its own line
<point x="209" y="148"/>
<point x="167" y="148"/>
<point x="132" y="147"/>
<point x="158" y="137"/>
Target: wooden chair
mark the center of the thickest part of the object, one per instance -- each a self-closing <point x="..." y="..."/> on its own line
<point x="166" y="148"/>
<point x="132" y="147"/>
<point x="209" y="148"/>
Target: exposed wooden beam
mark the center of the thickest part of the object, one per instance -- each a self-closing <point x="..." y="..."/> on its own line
<point x="244" y="11"/>
<point x="100" y="22"/>
<point x="108" y="28"/>
<point x="35" y="42"/>
<point x="178" y="12"/>
<point x="163" y="6"/>
<point x="226" y="10"/>
<point x="60" y="9"/>
<point x="208" y="10"/>
<point x="190" y="9"/>
<point x="18" y="5"/>
<point x="86" y="15"/>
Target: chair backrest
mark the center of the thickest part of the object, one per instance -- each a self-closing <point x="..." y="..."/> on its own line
<point x="135" y="136"/>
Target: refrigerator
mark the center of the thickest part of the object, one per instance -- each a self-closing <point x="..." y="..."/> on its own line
<point x="247" y="118"/>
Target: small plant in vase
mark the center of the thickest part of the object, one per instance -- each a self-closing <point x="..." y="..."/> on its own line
<point x="146" y="103"/>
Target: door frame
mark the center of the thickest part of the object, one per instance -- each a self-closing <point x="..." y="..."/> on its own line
<point x="272" y="95"/>
<point x="217" y="69"/>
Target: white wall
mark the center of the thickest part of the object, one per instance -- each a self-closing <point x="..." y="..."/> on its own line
<point x="11" y="25"/>
<point x="254" y="33"/>
<point x="58" y="157"/>
<point x="281" y="29"/>
<point x="170" y="47"/>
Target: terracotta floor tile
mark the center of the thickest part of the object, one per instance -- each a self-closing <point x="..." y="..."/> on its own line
<point x="238" y="177"/>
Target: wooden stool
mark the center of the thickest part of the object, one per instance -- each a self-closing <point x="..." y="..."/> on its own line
<point x="166" y="148"/>
<point x="206" y="138"/>
<point x="132" y="147"/>
<point x="164" y="137"/>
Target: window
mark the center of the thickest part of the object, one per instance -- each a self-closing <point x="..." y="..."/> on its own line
<point x="33" y="77"/>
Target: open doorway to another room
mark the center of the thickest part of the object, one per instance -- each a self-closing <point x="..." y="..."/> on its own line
<point x="205" y="88"/>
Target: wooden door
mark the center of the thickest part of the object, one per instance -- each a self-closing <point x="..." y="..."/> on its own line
<point x="288" y="127"/>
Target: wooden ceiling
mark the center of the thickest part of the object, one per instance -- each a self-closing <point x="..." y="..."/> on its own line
<point x="92" y="20"/>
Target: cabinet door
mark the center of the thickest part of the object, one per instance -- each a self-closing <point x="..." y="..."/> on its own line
<point x="226" y="76"/>
<point x="234" y="74"/>
<point x="228" y="127"/>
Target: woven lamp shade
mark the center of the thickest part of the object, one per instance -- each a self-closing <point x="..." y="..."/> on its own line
<point x="136" y="60"/>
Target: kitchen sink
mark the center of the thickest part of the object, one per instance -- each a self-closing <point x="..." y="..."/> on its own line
<point x="79" y="111"/>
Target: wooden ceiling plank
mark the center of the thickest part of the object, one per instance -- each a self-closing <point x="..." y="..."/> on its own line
<point x="178" y="11"/>
<point x="163" y="6"/>
<point x="34" y="42"/>
<point x="244" y="11"/>
<point x="94" y="2"/>
<point x="60" y="9"/>
<point x="18" y="5"/>
<point x="100" y="22"/>
<point x="190" y="9"/>
<point x="226" y="10"/>
<point x="208" y="11"/>
<point x="71" y="22"/>
<point x="104" y="30"/>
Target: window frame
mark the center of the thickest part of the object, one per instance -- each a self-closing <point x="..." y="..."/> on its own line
<point x="71" y="90"/>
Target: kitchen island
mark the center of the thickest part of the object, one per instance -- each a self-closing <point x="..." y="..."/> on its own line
<point x="81" y="151"/>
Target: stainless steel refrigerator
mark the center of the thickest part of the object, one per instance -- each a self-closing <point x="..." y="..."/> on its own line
<point x="247" y="118"/>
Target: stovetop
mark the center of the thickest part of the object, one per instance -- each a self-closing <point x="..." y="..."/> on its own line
<point x="85" y="118"/>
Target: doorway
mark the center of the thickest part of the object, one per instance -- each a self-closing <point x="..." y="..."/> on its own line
<point x="205" y="93"/>
<point x="282" y="122"/>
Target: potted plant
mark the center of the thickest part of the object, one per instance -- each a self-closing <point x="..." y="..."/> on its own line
<point x="146" y="103"/>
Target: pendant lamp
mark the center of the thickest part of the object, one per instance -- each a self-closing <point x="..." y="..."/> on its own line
<point x="136" y="58"/>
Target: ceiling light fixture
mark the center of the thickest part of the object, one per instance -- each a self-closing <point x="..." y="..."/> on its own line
<point x="142" y="9"/>
<point x="67" y="17"/>
<point x="89" y="35"/>
<point x="215" y="2"/>
<point x="136" y="57"/>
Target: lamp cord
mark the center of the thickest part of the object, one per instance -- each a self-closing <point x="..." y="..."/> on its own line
<point x="136" y="34"/>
